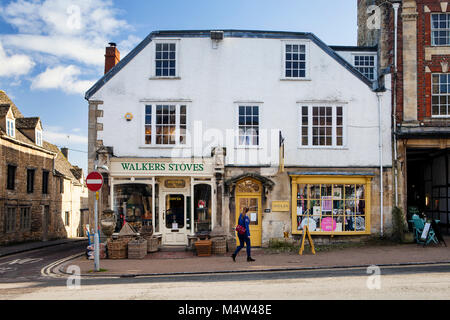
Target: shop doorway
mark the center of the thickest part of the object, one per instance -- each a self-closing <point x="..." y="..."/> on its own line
<point x="248" y="194"/>
<point x="173" y="219"/>
<point x="428" y="185"/>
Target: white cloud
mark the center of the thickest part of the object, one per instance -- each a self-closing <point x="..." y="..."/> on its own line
<point x="14" y="65"/>
<point x="76" y="30"/>
<point x="57" y="136"/>
<point x="80" y="50"/>
<point x="64" y="78"/>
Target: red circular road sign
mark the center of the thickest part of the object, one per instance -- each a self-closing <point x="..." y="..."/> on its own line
<point x="94" y="181"/>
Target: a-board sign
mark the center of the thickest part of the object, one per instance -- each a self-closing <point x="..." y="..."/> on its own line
<point x="311" y="243"/>
<point x="425" y="232"/>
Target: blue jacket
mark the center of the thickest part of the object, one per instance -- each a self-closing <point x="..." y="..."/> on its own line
<point x="246" y="223"/>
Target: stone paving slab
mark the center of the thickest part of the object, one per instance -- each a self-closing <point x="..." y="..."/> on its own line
<point x="186" y="262"/>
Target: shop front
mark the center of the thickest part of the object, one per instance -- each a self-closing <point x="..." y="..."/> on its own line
<point x="173" y="196"/>
<point x="331" y="204"/>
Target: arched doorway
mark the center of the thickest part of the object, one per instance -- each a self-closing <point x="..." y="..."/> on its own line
<point x="248" y="194"/>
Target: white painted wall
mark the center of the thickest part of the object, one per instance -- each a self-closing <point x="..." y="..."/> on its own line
<point x="245" y="69"/>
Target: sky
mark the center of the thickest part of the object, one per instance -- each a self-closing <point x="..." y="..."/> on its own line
<point x="52" y="51"/>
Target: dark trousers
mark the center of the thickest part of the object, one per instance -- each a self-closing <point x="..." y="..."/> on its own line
<point x="243" y="239"/>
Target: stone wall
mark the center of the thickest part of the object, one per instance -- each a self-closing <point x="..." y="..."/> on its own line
<point x="29" y="158"/>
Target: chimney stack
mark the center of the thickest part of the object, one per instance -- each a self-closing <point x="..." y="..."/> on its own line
<point x="112" y="56"/>
<point x="65" y="152"/>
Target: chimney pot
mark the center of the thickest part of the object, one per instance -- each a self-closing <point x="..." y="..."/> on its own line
<point x="112" y="56"/>
<point x="65" y="152"/>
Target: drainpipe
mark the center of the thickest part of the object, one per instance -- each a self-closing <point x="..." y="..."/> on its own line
<point x="396" y="7"/>
<point x="380" y="145"/>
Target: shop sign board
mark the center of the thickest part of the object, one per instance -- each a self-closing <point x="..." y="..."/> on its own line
<point x="280" y="206"/>
<point x="160" y="168"/>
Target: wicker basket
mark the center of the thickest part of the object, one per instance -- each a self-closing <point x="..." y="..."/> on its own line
<point x="219" y="246"/>
<point x="231" y="245"/>
<point x="203" y="248"/>
<point x="117" y="249"/>
<point x="152" y="244"/>
<point x="137" y="249"/>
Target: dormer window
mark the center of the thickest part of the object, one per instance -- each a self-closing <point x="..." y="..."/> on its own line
<point x="39" y="138"/>
<point x="11" y="128"/>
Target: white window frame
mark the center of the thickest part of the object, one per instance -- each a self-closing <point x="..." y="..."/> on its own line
<point x="438" y="29"/>
<point x="177" y="144"/>
<point x="307" y="45"/>
<point x="11" y="127"/>
<point x="236" y="121"/>
<point x="366" y="54"/>
<point x="177" y="60"/>
<point x="333" y="106"/>
<point x="39" y="137"/>
<point x="439" y="95"/>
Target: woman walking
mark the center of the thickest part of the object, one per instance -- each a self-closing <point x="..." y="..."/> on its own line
<point x="244" y="221"/>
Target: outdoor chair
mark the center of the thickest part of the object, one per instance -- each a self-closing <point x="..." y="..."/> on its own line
<point x="418" y="226"/>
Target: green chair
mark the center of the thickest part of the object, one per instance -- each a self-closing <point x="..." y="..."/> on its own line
<point x="419" y="225"/>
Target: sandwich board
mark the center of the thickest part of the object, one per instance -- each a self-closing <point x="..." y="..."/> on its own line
<point x="311" y="243"/>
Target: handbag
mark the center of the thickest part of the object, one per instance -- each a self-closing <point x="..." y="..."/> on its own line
<point x="240" y="229"/>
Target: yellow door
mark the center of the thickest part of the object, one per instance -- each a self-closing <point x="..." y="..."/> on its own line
<point x="248" y="194"/>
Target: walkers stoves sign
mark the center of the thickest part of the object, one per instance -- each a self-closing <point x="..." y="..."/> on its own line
<point x="153" y="167"/>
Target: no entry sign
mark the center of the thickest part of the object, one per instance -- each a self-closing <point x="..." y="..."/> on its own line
<point x="94" y="181"/>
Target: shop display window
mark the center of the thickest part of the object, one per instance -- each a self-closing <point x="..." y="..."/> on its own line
<point x="331" y="208"/>
<point x="133" y="205"/>
<point x="202" y="207"/>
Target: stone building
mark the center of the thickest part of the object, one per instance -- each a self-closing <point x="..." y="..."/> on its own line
<point x="195" y="125"/>
<point x="417" y="51"/>
<point x="40" y="191"/>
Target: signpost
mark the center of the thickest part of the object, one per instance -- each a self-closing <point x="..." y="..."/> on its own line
<point x="94" y="182"/>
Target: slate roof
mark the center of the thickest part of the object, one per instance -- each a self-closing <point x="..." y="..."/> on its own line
<point x="227" y="34"/>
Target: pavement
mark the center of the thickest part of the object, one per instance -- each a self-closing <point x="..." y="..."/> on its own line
<point x="29" y="246"/>
<point x="167" y="262"/>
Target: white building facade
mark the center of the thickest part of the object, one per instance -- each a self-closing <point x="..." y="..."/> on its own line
<point x="195" y="125"/>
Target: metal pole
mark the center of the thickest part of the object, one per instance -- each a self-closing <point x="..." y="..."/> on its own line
<point x="96" y="236"/>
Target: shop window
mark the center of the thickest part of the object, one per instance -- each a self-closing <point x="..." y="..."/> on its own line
<point x="203" y="208"/>
<point x="133" y="205"/>
<point x="331" y="206"/>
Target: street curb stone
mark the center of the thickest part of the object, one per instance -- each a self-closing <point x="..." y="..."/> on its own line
<point x="130" y="275"/>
